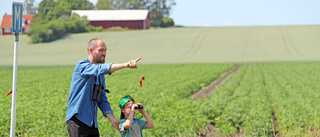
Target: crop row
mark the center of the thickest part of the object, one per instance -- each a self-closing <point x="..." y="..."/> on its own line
<point x="295" y="96"/>
<point x="268" y="99"/>
<point x="242" y="105"/>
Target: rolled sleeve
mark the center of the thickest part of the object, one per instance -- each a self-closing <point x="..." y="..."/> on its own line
<point x="88" y="69"/>
<point x="105" y="69"/>
<point x="121" y="125"/>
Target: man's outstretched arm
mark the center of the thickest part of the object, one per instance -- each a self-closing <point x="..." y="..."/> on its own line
<point x="130" y="64"/>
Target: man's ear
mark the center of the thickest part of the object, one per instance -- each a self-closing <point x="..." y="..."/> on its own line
<point x="90" y="50"/>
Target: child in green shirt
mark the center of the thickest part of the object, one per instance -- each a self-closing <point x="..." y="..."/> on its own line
<point x="130" y="126"/>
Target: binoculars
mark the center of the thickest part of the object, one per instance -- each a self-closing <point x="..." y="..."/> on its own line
<point x="139" y="107"/>
<point x="97" y="89"/>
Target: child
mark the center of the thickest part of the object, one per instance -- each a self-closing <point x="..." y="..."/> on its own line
<point x="130" y="126"/>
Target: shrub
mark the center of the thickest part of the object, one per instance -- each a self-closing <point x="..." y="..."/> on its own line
<point x="166" y="22"/>
<point x="94" y="29"/>
<point x="46" y="31"/>
<point x="117" y="28"/>
<point x="50" y="31"/>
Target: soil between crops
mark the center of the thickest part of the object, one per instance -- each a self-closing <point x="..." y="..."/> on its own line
<point x="211" y="88"/>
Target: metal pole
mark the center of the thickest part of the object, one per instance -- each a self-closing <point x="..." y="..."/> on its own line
<point x="14" y="85"/>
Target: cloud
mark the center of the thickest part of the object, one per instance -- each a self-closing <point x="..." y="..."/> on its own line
<point x="228" y="23"/>
<point x="206" y="24"/>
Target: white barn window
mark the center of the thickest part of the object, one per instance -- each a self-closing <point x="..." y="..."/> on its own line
<point x="7" y="30"/>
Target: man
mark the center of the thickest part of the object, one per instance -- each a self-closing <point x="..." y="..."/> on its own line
<point x="81" y="118"/>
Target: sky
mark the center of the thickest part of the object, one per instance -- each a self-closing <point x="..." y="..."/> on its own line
<point x="204" y="13"/>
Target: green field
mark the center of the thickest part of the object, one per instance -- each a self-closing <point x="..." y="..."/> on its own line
<point x="176" y="45"/>
<point x="43" y="94"/>
<point x="275" y="92"/>
<point x="269" y="98"/>
<point x="248" y="100"/>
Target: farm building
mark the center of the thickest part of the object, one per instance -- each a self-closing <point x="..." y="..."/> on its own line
<point x="132" y="19"/>
<point x="6" y="23"/>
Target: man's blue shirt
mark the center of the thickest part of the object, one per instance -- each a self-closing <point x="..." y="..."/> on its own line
<point x="80" y="102"/>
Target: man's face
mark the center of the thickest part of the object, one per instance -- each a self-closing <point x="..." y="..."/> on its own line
<point x="99" y="53"/>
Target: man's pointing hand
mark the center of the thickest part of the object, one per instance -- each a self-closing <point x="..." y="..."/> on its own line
<point x="133" y="63"/>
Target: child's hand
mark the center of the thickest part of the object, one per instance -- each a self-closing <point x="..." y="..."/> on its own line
<point x="133" y="107"/>
<point x="141" y="110"/>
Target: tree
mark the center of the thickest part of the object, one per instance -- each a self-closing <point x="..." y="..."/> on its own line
<point x="54" y="9"/>
<point x="166" y="22"/>
<point x="138" y="4"/>
<point x="80" y="5"/>
<point x="162" y="6"/>
<point x="155" y="18"/>
<point x="28" y="7"/>
<point x="44" y="8"/>
<point x="159" y="9"/>
<point x="104" y="4"/>
<point x="112" y="4"/>
<point x="53" y="20"/>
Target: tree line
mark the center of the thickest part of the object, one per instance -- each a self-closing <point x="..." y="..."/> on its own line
<point x="53" y="20"/>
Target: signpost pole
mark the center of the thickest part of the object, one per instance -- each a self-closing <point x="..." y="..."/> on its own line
<point x="14" y="85"/>
<point x="16" y="29"/>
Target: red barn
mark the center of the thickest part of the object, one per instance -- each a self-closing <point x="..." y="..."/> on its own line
<point x="6" y="23"/>
<point x="132" y="19"/>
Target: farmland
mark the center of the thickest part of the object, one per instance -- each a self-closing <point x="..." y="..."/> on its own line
<point x="41" y="105"/>
<point x="274" y="92"/>
<point x="176" y="45"/>
<point x="268" y="99"/>
<point x="248" y="100"/>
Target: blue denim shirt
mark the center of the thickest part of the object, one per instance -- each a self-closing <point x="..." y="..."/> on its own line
<point x="84" y="76"/>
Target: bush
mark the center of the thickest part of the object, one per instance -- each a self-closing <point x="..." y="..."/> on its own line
<point x="117" y="28"/>
<point x="94" y="29"/>
<point x="47" y="31"/>
<point x="166" y="22"/>
<point x="50" y="31"/>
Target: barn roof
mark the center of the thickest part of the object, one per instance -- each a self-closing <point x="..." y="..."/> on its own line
<point x="7" y="21"/>
<point x="103" y="15"/>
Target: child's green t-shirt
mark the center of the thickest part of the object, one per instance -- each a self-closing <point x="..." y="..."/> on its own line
<point x="135" y="130"/>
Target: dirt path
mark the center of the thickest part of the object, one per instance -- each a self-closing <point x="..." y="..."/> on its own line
<point x="213" y="86"/>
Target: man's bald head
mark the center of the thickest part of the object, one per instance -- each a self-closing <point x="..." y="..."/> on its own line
<point x="94" y="43"/>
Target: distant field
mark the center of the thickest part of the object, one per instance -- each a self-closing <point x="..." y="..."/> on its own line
<point x="176" y="45"/>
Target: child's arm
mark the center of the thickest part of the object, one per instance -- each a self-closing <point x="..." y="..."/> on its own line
<point x="148" y="119"/>
<point x="129" y="120"/>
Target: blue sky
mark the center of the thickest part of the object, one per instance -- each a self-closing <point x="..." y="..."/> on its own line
<point x="232" y="12"/>
<point x="246" y="12"/>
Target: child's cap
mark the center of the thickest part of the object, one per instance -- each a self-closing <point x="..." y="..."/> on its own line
<point x="123" y="101"/>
